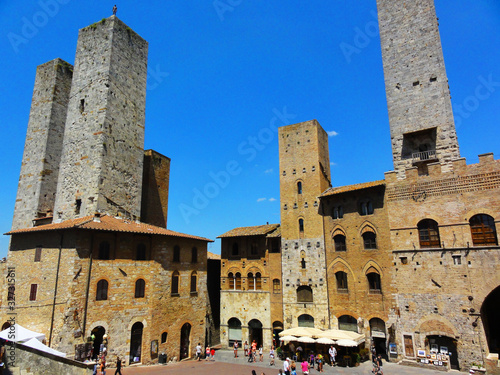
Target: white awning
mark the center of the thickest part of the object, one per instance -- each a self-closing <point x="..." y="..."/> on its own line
<point x="34" y="343"/>
<point x="18" y="333"/>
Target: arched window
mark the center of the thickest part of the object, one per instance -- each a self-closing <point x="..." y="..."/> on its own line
<point x="483" y="230"/>
<point x="366" y="208"/>
<point x="339" y="240"/>
<point x="370" y="240"/>
<point x="237" y="279"/>
<point x="306" y="320"/>
<point x="194" y="279"/>
<point x="374" y="283"/>
<point x="250" y="281"/>
<point x="163" y="338"/>
<point x="337" y="212"/>
<point x="231" y="281"/>
<point x="428" y="233"/>
<point x="177" y="254"/>
<point x="301" y="225"/>
<point x="348" y="323"/>
<point x="194" y="255"/>
<point x="276" y="286"/>
<point x="234" y="330"/>
<point x="102" y="290"/>
<point x="235" y="250"/>
<point x="258" y="281"/>
<point x="175" y="283"/>
<point x="140" y="253"/>
<point x="299" y="187"/>
<point x="304" y="294"/>
<point x="140" y="287"/>
<point x="104" y="250"/>
<point x="341" y="278"/>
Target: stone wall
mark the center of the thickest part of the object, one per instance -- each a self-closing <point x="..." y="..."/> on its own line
<point x="416" y="83"/>
<point x="102" y="159"/>
<point x="43" y="146"/>
<point x="155" y="183"/>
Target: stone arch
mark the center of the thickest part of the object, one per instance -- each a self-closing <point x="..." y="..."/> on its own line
<point x="233" y="270"/>
<point x="372" y="266"/>
<point x="340" y="313"/>
<point x="482" y="210"/>
<point x="367" y="226"/>
<point x="92" y="325"/>
<point x="338" y="229"/>
<point x="137" y="320"/>
<point x="431" y="325"/>
<point x="437" y="219"/>
<point x="339" y="264"/>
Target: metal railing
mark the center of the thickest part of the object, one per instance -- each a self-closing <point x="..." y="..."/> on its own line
<point x="424" y="155"/>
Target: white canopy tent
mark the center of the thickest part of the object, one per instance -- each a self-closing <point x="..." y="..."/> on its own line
<point x="35" y="344"/>
<point x="339" y="336"/>
<point x="20" y="334"/>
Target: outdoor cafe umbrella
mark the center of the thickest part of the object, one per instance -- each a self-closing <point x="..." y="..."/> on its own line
<point x="306" y="340"/>
<point x="288" y="338"/>
<point x="347" y="342"/>
<point x="325" y="341"/>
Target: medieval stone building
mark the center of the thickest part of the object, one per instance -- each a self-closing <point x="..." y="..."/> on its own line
<point x="94" y="262"/>
<point x="411" y="261"/>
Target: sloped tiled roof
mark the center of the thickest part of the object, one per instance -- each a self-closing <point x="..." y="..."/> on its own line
<point x="250" y="231"/>
<point x="108" y="224"/>
<point x="275" y="233"/>
<point x="347" y="188"/>
<point x="213" y="256"/>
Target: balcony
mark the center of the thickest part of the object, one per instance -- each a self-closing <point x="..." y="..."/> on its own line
<point x="423" y="156"/>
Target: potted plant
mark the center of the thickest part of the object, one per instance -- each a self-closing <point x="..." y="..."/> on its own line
<point x="355" y="358"/>
<point x="477" y="367"/>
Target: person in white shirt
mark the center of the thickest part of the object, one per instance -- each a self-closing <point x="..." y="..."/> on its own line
<point x="333" y="352"/>
<point x="286" y="366"/>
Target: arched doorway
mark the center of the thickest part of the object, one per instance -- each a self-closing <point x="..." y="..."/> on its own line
<point x="277" y="328"/>
<point x="136" y="342"/>
<point x="446" y="345"/>
<point x="306" y="320"/>
<point x="185" y="341"/>
<point x="97" y="334"/>
<point x="348" y="323"/>
<point x="234" y="331"/>
<point x="377" y="332"/>
<point x="255" y="331"/>
<point x="491" y="323"/>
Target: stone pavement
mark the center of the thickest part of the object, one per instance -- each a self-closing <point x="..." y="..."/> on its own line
<point x="226" y="364"/>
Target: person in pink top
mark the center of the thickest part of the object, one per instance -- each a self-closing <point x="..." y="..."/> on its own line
<point x="305" y="367"/>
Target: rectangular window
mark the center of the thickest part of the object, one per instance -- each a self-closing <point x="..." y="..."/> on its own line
<point x="38" y="254"/>
<point x="457" y="259"/>
<point x="33" y="289"/>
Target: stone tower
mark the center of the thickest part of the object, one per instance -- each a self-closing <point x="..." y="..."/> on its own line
<point x="102" y="158"/>
<point x="304" y="175"/>
<point x="44" y="139"/>
<point x="416" y="85"/>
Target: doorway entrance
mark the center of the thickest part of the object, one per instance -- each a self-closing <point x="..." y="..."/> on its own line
<point x="445" y="345"/>
<point x="136" y="342"/>
<point x="255" y="331"/>
<point x="185" y="341"/>
<point x="377" y="331"/>
<point x="491" y="323"/>
<point x="97" y="333"/>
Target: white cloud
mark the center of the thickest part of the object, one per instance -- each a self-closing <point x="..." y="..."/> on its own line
<point x="268" y="171"/>
<point x="272" y="199"/>
<point x="261" y="199"/>
<point x="333" y="163"/>
<point x="332" y="133"/>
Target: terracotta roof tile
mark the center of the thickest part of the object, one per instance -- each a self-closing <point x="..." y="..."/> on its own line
<point x="275" y="233"/>
<point x="347" y="188"/>
<point x="213" y="256"/>
<point x="250" y="231"/>
<point x="108" y="224"/>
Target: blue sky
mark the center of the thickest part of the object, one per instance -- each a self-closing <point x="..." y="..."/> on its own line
<point x="223" y="74"/>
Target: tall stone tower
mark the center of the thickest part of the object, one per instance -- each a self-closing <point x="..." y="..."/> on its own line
<point x="44" y="139"/>
<point x="416" y="85"/>
<point x="304" y="175"/>
<point x="102" y="158"/>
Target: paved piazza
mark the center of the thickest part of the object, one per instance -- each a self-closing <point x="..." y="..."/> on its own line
<point x="241" y="367"/>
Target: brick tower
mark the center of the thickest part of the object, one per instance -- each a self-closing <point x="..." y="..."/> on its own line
<point x="304" y="175"/>
<point x="42" y="149"/>
<point x="102" y="158"/>
<point x="416" y="86"/>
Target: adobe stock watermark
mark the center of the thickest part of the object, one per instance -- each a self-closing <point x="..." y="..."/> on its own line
<point x="32" y="25"/>
<point x="248" y="149"/>
<point x="362" y="38"/>
<point x="155" y="76"/>
<point x="482" y="92"/>
<point x="224" y="6"/>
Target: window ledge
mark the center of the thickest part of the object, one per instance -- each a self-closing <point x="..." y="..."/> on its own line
<point x="193" y="294"/>
<point x="174" y="294"/>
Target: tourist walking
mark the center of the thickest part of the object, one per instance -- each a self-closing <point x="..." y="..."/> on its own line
<point x="118" y="366"/>
<point x="286" y="366"/>
<point x="245" y="347"/>
<point x="207" y="353"/>
<point x="271" y="356"/>
<point x="305" y="367"/>
<point x="261" y="354"/>
<point x="198" y="352"/>
<point x="333" y="353"/>
<point x="235" y="348"/>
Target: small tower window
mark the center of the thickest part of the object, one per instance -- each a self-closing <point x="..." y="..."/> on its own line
<point x="78" y="206"/>
<point x="301" y="225"/>
<point x="299" y="187"/>
<point x="82" y="105"/>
